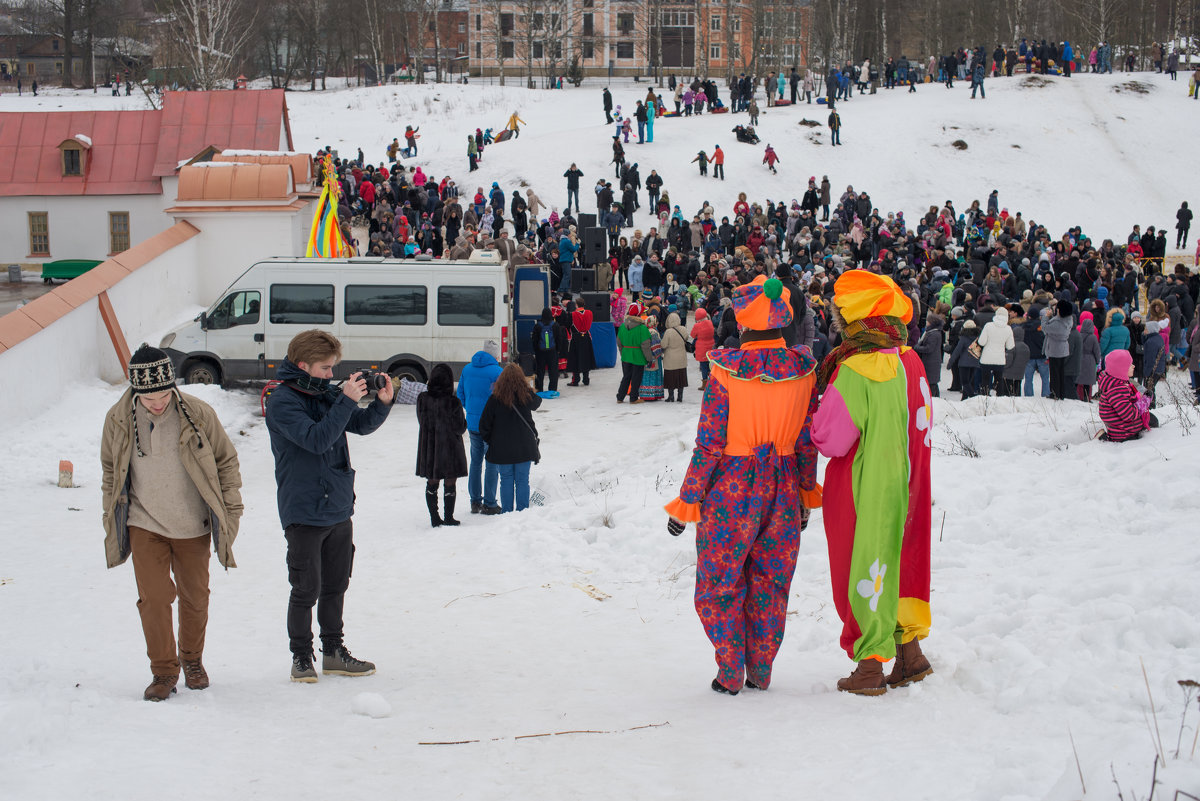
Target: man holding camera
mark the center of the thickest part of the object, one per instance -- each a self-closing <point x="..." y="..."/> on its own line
<point x="308" y="419"/>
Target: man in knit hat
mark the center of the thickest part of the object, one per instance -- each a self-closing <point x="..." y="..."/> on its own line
<point x="171" y="486"/>
<point x="750" y="486"/>
<point x="873" y="424"/>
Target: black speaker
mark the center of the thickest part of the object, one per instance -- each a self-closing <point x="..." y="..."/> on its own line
<point x="583" y="279"/>
<point x="595" y="245"/>
<point x="585" y="220"/>
<point x="597" y="302"/>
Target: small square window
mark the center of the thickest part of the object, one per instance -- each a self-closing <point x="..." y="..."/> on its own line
<point x="624" y="49"/>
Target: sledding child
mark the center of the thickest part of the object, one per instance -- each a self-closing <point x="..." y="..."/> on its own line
<point x="770" y="158"/>
<point x="441" y="456"/>
<point x="701" y="157"/>
<point x="1124" y="411"/>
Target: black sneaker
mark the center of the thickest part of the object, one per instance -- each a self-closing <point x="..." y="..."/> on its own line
<point x="476" y="507"/>
<point x="492" y="510"/>
<point x="339" y="662"/>
<point x="302" y="668"/>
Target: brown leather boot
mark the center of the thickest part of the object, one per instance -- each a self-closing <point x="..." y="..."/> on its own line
<point x="194" y="675"/>
<point x="867" y="679"/>
<point x="161" y="688"/>
<point x="911" y="665"/>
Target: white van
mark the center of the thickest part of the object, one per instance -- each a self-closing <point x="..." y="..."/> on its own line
<point x="400" y="317"/>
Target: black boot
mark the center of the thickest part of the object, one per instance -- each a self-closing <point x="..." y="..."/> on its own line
<point x="448" y="498"/>
<point x="431" y="502"/>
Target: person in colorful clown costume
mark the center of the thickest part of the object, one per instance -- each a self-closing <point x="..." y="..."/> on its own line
<point x="873" y="424"/>
<point x="750" y="486"/>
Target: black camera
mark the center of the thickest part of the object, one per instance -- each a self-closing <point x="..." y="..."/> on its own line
<point x="375" y="381"/>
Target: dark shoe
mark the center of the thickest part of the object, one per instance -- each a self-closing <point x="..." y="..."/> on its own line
<point x="302" y="668"/>
<point x="161" y="688"/>
<point x="194" y="675"/>
<point x="340" y="663"/>
<point x="587" y="382"/>
<point x="867" y="679"/>
<point x="911" y="665"/>
<point x="448" y="501"/>
<point x="754" y="686"/>
<point x="572" y="383"/>
<point x="492" y="510"/>
<point x="431" y="500"/>
<point x="721" y="688"/>
<point x="476" y="507"/>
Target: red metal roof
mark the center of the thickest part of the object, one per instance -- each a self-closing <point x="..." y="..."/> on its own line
<point x="132" y="150"/>
<point x="242" y="119"/>
<point x="119" y="162"/>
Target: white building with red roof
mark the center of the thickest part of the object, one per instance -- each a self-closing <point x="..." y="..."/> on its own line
<point x="91" y="184"/>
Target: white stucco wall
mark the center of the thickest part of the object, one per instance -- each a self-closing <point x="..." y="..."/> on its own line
<point x="152" y="299"/>
<point x="231" y="242"/>
<point x="78" y="225"/>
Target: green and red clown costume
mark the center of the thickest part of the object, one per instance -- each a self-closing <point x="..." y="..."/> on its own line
<point x="874" y="425"/>
<point x="751" y="480"/>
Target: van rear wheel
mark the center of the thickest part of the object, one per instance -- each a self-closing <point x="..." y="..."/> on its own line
<point x="201" y="372"/>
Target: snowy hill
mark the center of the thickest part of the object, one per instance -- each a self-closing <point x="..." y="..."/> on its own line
<point x="1061" y="564"/>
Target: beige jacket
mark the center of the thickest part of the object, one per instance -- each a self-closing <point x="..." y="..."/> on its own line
<point x="208" y="457"/>
<point x="674" y="342"/>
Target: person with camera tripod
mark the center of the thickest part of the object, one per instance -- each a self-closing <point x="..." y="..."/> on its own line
<point x="308" y="418"/>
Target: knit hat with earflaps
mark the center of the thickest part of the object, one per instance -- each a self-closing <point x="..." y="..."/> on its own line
<point x="150" y="371"/>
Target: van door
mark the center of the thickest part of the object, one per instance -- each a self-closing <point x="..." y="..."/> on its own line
<point x="235" y="335"/>
<point x="531" y="294"/>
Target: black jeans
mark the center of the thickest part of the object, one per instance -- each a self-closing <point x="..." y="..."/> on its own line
<point x="546" y="360"/>
<point x="631" y="380"/>
<point x="319" y="560"/>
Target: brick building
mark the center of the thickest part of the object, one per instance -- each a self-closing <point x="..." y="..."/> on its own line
<point x="536" y="39"/>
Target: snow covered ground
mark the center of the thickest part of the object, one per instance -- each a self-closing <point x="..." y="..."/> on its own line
<point x="1063" y="565"/>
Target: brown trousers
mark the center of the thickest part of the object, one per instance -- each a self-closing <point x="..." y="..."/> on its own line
<point x="155" y="559"/>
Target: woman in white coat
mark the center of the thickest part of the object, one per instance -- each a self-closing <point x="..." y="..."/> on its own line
<point x="996" y="339"/>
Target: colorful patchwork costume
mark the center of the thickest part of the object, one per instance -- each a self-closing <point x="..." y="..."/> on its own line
<point x="874" y="424"/>
<point x="751" y="480"/>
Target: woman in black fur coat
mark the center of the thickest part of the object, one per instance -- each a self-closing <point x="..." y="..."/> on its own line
<point x="440" y="452"/>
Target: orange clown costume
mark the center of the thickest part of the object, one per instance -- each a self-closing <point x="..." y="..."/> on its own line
<point x="750" y="484"/>
<point x="874" y="425"/>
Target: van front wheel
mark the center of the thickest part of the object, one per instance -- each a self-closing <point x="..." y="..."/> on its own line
<point x="406" y="372"/>
<point x="201" y="372"/>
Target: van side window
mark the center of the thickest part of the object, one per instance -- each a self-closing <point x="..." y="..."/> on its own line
<point x="386" y="305"/>
<point x="301" y="303"/>
<point x="466" y="305"/>
<point x="240" y="308"/>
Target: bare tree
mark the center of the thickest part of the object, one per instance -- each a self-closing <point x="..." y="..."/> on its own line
<point x="213" y="33"/>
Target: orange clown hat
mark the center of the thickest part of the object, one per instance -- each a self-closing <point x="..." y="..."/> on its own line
<point x="762" y="304"/>
<point x="860" y="293"/>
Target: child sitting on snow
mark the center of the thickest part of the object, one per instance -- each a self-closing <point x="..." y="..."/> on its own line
<point x="1124" y="410"/>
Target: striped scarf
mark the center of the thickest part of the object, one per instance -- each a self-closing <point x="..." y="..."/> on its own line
<point x="862" y="336"/>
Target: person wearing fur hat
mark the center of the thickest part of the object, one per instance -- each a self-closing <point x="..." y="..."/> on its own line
<point x="171" y="486"/>
<point x="750" y="486"/>
<point x="874" y="425"/>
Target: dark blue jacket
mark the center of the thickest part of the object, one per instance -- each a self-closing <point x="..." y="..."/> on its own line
<point x="475" y="386"/>
<point x="312" y="459"/>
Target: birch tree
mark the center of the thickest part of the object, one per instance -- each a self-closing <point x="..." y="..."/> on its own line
<point x="213" y="34"/>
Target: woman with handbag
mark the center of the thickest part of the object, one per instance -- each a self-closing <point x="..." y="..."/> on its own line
<point x="966" y="354"/>
<point x="506" y="424"/>
<point x="441" y="456"/>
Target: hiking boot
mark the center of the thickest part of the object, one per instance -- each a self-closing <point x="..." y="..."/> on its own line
<point x="338" y="662"/>
<point x="911" y="665"/>
<point x="302" y="668"/>
<point x="476" y="507"/>
<point x="494" y="509"/>
<point x="867" y="679"/>
<point x="639" y="400"/>
<point x="431" y="499"/>
<point x="448" y="501"/>
<point x="194" y="675"/>
<point x="161" y="688"/>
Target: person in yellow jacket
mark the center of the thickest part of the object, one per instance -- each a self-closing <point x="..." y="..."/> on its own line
<point x="171" y="490"/>
<point x="513" y="125"/>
